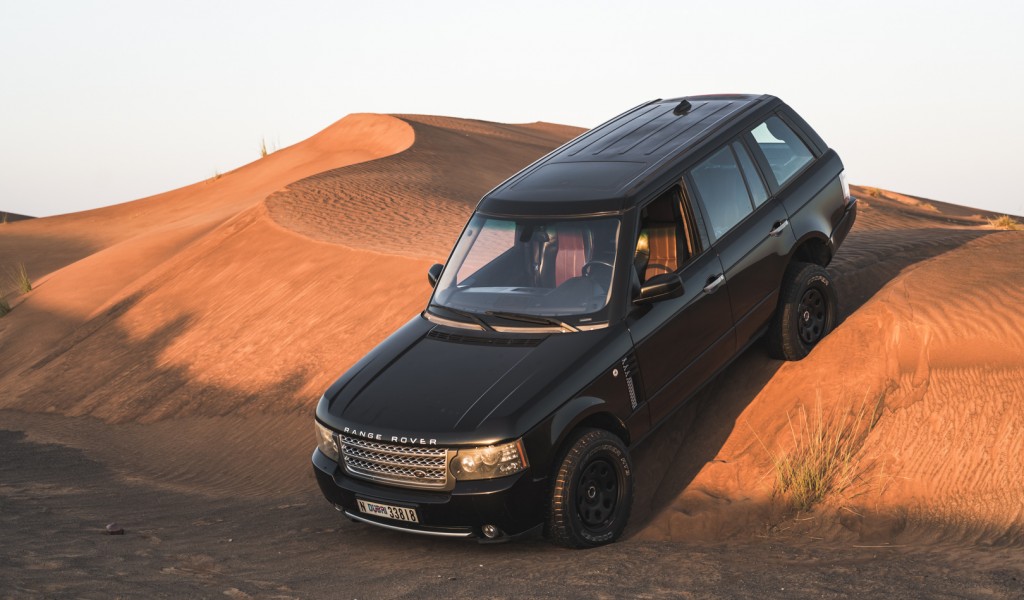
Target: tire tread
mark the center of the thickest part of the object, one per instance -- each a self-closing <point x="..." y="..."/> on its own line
<point x="559" y="525"/>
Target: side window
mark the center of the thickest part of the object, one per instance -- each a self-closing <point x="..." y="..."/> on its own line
<point x="721" y="188"/>
<point x="667" y="236"/>
<point x="782" y="147"/>
<point x="754" y="183"/>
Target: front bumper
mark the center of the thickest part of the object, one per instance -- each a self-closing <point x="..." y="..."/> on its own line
<point x="514" y="504"/>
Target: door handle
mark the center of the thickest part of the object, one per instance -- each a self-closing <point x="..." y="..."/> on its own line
<point x="714" y="282"/>
<point x="778" y="228"/>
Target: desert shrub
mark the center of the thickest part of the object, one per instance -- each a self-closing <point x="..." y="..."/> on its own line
<point x="821" y="460"/>
<point x="1006" y="222"/>
<point x="19" y="277"/>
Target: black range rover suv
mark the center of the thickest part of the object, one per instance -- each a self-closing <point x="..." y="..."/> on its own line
<point x="589" y="296"/>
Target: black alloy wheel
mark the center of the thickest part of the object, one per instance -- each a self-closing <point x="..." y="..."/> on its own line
<point x="806" y="313"/>
<point x="812" y="315"/>
<point x="593" y="491"/>
<point x="597" y="494"/>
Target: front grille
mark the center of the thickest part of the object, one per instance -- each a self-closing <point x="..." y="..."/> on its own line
<point x="407" y="466"/>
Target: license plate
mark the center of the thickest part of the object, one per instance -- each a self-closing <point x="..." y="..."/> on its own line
<point x="398" y="513"/>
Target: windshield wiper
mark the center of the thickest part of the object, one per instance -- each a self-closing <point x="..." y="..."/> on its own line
<point x="535" y="319"/>
<point x="464" y="314"/>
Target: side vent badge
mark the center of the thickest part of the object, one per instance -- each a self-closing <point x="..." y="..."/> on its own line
<point x="629" y="370"/>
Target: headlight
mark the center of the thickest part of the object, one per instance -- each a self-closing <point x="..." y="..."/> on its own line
<point x="325" y="441"/>
<point x="490" y="461"/>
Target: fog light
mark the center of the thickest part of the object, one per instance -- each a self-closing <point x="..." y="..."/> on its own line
<point x="490" y="531"/>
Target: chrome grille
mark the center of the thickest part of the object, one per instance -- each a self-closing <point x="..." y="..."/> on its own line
<point x="408" y="466"/>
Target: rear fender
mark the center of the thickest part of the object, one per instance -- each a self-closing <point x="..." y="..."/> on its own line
<point x="815" y="202"/>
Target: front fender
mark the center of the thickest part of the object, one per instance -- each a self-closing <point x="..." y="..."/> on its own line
<point x="544" y="442"/>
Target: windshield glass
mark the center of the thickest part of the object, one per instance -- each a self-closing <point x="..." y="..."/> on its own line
<point x="540" y="267"/>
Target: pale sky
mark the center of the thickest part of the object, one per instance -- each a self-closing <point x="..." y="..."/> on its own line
<point x="105" y="102"/>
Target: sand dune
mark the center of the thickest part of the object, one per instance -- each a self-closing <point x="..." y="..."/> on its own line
<point x="86" y="263"/>
<point x="232" y="303"/>
<point x="416" y="202"/>
<point x="9" y="217"/>
<point x="158" y="324"/>
<point x="940" y="351"/>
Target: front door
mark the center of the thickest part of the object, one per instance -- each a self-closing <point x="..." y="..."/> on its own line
<point x="682" y="341"/>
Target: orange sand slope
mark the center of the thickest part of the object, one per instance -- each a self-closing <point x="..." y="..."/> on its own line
<point x="248" y="294"/>
<point x="194" y="302"/>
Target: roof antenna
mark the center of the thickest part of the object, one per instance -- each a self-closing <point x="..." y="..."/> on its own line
<point x="683" y="108"/>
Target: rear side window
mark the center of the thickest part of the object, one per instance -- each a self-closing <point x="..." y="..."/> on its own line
<point x="721" y="188"/>
<point x="782" y="147"/>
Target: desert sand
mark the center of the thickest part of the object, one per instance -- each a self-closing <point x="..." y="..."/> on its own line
<point x="163" y="371"/>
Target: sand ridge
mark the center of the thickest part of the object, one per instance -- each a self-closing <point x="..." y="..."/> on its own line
<point x="83" y="263"/>
<point x="244" y="309"/>
<point x="414" y="203"/>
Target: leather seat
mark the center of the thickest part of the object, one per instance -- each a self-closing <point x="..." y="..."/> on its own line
<point x="657" y="250"/>
<point x="573" y="253"/>
<point x="661" y="240"/>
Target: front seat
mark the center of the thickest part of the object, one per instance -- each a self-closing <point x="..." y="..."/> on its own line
<point x="657" y="247"/>
<point x="572" y="255"/>
<point x="539" y="255"/>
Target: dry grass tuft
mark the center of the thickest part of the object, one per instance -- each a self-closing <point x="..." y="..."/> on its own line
<point x="19" y="277"/>
<point x="822" y="458"/>
<point x="1006" y="222"/>
<point x="5" y="306"/>
<point x="263" y="148"/>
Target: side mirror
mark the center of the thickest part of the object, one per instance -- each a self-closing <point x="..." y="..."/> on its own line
<point x="660" y="287"/>
<point x="434" y="273"/>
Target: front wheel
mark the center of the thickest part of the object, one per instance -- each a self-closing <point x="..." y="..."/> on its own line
<point x="593" y="491"/>
<point x="806" y="312"/>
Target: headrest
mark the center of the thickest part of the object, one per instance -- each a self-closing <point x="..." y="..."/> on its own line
<point x="661" y="211"/>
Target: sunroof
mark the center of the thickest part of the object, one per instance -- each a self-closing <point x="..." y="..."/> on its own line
<point x="589" y="175"/>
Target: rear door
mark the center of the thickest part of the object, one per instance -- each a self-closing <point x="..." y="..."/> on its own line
<point x="750" y="231"/>
<point x="804" y="177"/>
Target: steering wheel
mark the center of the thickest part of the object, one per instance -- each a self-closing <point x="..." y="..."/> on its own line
<point x="588" y="268"/>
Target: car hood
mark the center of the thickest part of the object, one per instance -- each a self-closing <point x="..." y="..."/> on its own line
<point x="437" y="383"/>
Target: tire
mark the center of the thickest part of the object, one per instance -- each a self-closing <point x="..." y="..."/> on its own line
<point x="593" y="491"/>
<point x="806" y="313"/>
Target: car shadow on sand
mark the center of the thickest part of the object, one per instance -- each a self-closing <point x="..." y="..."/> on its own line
<point x="670" y="458"/>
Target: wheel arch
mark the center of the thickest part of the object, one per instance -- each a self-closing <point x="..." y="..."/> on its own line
<point x="813" y="248"/>
<point x="582" y="411"/>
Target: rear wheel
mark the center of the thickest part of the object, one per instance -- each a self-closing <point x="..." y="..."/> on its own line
<point x="807" y="311"/>
<point x="593" y="491"/>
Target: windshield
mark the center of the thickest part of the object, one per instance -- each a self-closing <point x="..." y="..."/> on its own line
<point x="538" y="267"/>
